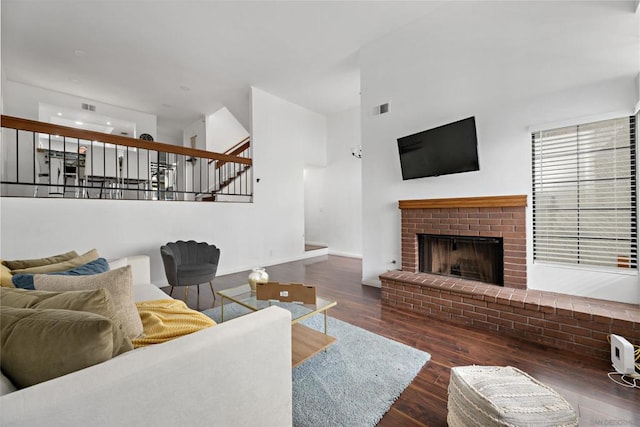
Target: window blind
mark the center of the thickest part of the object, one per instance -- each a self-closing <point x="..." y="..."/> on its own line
<point x="584" y="194"/>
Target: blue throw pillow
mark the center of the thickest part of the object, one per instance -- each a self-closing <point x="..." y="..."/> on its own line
<point x="25" y="281"/>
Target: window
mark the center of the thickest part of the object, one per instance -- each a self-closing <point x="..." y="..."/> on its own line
<point x="584" y="194"/>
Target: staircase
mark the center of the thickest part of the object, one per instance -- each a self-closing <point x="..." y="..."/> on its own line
<point x="227" y="176"/>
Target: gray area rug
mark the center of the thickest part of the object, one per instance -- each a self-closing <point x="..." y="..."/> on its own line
<point x="354" y="382"/>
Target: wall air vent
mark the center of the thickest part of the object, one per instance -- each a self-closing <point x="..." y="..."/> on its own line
<point x="88" y="107"/>
<point x="381" y="109"/>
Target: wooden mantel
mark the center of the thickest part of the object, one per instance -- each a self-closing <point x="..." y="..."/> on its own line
<point x="466" y="202"/>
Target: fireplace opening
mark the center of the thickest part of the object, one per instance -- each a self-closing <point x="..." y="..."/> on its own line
<point x="472" y="258"/>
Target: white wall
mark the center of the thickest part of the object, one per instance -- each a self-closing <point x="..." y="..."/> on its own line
<point x="638" y="78"/>
<point x="333" y="194"/>
<point x="23" y="101"/>
<point x="316" y="223"/>
<point x="168" y="138"/>
<point x="315" y="186"/>
<point x="199" y="130"/>
<point x="266" y="232"/>
<point x="343" y="185"/>
<point x="430" y="88"/>
<point x="280" y="132"/>
<point x="223" y="131"/>
<point x="315" y="148"/>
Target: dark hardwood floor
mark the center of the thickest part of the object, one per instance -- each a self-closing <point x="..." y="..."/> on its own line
<point x="582" y="381"/>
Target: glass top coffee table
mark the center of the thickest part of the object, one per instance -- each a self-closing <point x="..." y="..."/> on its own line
<point x="305" y="342"/>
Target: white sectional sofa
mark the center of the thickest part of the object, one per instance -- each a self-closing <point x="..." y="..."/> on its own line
<point x="237" y="373"/>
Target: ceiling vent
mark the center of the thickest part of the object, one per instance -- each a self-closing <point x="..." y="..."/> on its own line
<point x="88" y="107"/>
<point x="124" y="133"/>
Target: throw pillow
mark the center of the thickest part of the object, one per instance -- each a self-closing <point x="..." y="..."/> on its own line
<point x="96" y="301"/>
<point x="119" y="284"/>
<point x="38" y="345"/>
<point x="92" y="255"/>
<point x="5" y="276"/>
<point x="37" y="262"/>
<point x="25" y="280"/>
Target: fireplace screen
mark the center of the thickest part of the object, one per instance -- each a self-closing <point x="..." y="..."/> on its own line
<point x="473" y="258"/>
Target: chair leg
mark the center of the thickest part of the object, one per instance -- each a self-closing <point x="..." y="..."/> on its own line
<point x="186" y="295"/>
<point x="171" y="291"/>
<point x="213" y="292"/>
<point x="198" y="298"/>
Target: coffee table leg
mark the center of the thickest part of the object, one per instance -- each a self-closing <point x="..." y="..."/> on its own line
<point x="325" y="322"/>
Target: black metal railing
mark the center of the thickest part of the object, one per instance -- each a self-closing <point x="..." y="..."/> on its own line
<point x="228" y="179"/>
<point x="44" y="160"/>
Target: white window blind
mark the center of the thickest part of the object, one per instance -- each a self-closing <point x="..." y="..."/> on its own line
<point x="584" y="194"/>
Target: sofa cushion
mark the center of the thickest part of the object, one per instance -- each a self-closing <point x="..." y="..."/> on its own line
<point x="38" y="345"/>
<point x="94" y="301"/>
<point x="25" y="280"/>
<point x="6" y="386"/>
<point x="119" y="284"/>
<point x="147" y="292"/>
<point x="89" y="256"/>
<point x="37" y="262"/>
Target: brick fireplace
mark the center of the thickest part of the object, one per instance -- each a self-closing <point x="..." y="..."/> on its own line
<point x="567" y="322"/>
<point x="499" y="216"/>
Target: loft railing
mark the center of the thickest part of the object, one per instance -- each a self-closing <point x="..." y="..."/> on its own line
<point x="46" y="160"/>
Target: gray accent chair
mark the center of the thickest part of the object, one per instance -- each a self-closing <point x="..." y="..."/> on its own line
<point x="188" y="263"/>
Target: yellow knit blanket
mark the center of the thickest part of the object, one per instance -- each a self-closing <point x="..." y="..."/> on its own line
<point x="166" y="319"/>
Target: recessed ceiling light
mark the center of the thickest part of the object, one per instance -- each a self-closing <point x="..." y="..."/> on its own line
<point x="79" y="52"/>
<point x="59" y="113"/>
<point x="79" y="123"/>
<point x="108" y="123"/>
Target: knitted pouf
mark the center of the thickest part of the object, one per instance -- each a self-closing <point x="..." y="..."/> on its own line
<point x="486" y="396"/>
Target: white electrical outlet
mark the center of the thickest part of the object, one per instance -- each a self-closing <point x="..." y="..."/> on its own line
<point x="622" y="353"/>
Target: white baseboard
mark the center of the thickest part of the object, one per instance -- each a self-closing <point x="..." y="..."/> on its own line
<point x="372" y="283"/>
<point x="312" y="254"/>
<point x="324" y="244"/>
<point x="345" y="254"/>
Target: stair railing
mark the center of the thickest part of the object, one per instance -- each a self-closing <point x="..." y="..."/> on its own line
<point x="228" y="178"/>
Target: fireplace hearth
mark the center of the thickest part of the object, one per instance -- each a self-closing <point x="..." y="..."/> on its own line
<point x="537" y="316"/>
<point x="473" y="258"/>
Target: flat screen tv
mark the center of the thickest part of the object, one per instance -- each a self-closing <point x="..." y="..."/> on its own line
<point x="447" y="149"/>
